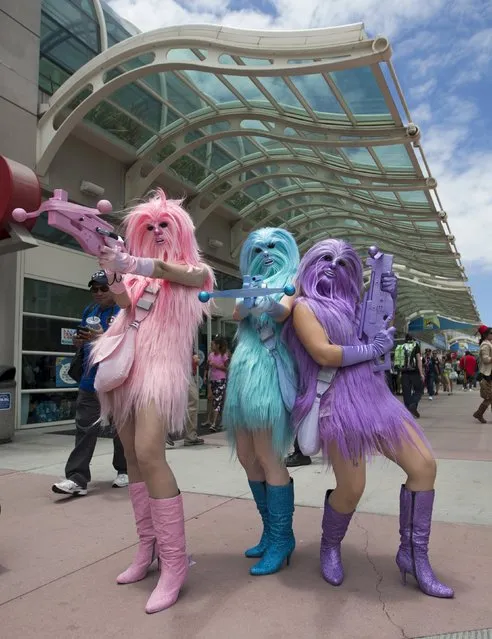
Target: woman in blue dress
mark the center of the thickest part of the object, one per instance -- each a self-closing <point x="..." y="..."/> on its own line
<point x="261" y="392"/>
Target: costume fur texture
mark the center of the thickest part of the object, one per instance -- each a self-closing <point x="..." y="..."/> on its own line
<point x="253" y="399"/>
<point x="358" y="413"/>
<point x="161" y="371"/>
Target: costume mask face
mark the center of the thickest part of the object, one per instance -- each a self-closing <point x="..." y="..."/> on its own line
<point x="331" y="269"/>
<point x="269" y="252"/>
<point x="161" y="229"/>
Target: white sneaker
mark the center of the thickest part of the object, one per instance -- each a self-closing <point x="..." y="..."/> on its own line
<point x="121" y="481"/>
<point x="431" y="398"/>
<point x="68" y="487"/>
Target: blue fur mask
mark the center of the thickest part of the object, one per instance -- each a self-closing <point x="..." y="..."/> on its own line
<point x="271" y="253"/>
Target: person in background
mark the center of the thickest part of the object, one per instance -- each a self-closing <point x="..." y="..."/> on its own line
<point x="430" y="373"/>
<point x="485" y="372"/>
<point x="210" y="397"/>
<point x="468" y="364"/>
<point x="447" y="375"/>
<point x="191" y="426"/>
<point x="437" y="371"/>
<point x="297" y="458"/>
<point x="218" y="363"/>
<point x="408" y="359"/>
<point x="87" y="411"/>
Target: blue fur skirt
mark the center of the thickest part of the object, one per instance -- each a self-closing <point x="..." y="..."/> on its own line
<point x="253" y="398"/>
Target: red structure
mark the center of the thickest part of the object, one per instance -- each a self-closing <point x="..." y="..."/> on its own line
<point x="19" y="187"/>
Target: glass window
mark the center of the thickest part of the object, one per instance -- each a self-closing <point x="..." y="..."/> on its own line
<point x="281" y="93"/>
<point x="44" y="334"/>
<point x="46" y="371"/>
<point x="69" y="46"/>
<point x="394" y="156"/>
<point x="46" y="298"/>
<point x="115" y="30"/>
<point x="210" y="85"/>
<point x="49" y="371"/>
<point x="318" y="94"/>
<point x="117" y="123"/>
<point x="359" y="155"/>
<point x="141" y="104"/>
<point x="361" y="91"/>
<point x="183" y="99"/>
<point x="43" y="408"/>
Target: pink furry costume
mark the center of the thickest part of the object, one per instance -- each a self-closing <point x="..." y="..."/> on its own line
<point x="162" y="265"/>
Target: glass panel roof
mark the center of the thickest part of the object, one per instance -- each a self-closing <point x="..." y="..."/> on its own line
<point x="334" y="155"/>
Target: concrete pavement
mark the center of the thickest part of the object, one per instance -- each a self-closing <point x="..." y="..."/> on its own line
<point x="59" y="557"/>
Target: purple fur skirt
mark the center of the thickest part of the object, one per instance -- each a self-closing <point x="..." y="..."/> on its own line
<point x="362" y="417"/>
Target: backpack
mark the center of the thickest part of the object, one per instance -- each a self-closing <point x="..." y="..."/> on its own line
<point x="405" y="356"/>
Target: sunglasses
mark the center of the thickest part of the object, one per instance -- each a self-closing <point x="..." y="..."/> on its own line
<point x="102" y="289"/>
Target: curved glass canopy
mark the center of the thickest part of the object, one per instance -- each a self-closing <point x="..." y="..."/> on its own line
<point x="294" y="129"/>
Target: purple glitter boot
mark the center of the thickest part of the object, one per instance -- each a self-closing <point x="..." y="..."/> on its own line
<point x="412" y="557"/>
<point x="334" y="528"/>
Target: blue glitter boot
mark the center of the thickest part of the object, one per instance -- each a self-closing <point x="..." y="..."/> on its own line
<point x="280" y="502"/>
<point x="258" y="488"/>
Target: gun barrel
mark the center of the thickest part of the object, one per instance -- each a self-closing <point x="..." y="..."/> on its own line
<point x="246" y="293"/>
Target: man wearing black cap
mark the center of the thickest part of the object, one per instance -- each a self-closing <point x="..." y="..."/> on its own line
<point x="98" y="316"/>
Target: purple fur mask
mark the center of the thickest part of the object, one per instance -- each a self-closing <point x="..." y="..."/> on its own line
<point x="329" y="281"/>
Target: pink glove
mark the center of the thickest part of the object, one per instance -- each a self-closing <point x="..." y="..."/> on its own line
<point x="122" y="262"/>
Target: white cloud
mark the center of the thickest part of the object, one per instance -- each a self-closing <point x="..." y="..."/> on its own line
<point x="423" y="90"/>
<point x="380" y="16"/>
<point x="422" y="114"/>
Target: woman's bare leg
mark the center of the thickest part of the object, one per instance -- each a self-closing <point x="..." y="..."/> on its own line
<point x="150" y="437"/>
<point x="417" y="460"/>
<point x="273" y="466"/>
<point x="247" y="457"/>
<point x="126" y="433"/>
<point x="351" y="481"/>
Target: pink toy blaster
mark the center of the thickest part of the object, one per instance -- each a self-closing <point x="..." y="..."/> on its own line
<point x="81" y="222"/>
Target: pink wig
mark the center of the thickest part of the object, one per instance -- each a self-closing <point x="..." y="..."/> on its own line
<point x="162" y="366"/>
<point x="179" y="245"/>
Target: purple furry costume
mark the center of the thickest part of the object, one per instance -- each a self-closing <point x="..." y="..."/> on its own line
<point x="358" y="413"/>
<point x="349" y="415"/>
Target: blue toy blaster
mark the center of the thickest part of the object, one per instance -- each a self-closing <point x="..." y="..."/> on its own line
<point x="252" y="288"/>
<point x="377" y="305"/>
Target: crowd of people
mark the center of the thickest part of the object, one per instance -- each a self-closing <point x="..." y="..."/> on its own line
<point x="414" y="373"/>
<point x="299" y="368"/>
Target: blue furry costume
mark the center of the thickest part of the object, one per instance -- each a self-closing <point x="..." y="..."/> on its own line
<point x="255" y="399"/>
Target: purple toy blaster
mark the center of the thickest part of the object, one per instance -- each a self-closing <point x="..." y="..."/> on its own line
<point x="377" y="305"/>
<point x="81" y="222"/>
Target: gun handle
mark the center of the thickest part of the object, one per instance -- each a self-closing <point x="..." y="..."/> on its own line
<point x="385" y="365"/>
<point x="247" y="301"/>
<point x="118" y="244"/>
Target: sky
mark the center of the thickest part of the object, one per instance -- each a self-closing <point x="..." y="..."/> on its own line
<point x="442" y="52"/>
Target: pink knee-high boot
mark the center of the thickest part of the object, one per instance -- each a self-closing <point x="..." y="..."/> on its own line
<point x="168" y="519"/>
<point x="146" y="552"/>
